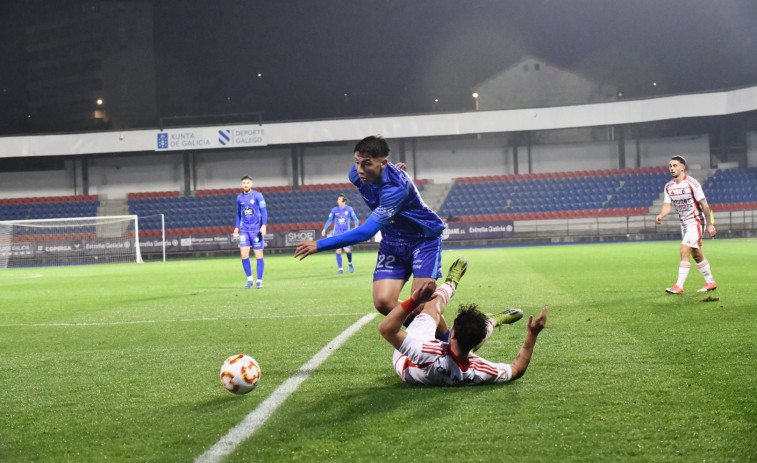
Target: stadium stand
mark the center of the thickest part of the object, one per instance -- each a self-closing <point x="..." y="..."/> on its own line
<point x="559" y="195"/>
<point x="48" y="207"/>
<point x="555" y="195"/>
<point x="732" y="189"/>
<point x="212" y="211"/>
<point x="563" y="195"/>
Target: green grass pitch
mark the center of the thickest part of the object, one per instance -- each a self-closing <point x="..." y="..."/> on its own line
<point x="120" y="362"/>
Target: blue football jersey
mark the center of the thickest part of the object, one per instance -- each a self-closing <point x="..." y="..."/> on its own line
<point x="397" y="205"/>
<point x="341" y="216"/>
<point x="251" y="211"/>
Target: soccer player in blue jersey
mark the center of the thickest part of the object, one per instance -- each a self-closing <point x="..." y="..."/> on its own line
<point x="342" y="216"/>
<point x="411" y="232"/>
<point x="252" y="217"/>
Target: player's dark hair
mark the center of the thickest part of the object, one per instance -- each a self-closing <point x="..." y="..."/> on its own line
<point x="344" y="198"/>
<point x="246" y="177"/>
<point x="469" y="326"/>
<point x="373" y="146"/>
<point x="679" y="158"/>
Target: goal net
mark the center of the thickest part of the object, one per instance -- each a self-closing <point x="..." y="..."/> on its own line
<point x="74" y="241"/>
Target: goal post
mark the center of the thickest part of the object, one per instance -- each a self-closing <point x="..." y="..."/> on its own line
<point x="69" y="241"/>
<point x="152" y="235"/>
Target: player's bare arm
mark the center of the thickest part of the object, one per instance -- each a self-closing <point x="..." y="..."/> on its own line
<point x="391" y="326"/>
<point x="305" y="249"/>
<point x="663" y="212"/>
<point x="533" y="328"/>
<point x="708" y="214"/>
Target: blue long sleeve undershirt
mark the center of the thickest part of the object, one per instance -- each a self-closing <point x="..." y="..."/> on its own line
<point x="356" y="235"/>
<point x="328" y="222"/>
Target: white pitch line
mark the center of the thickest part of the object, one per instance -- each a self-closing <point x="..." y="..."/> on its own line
<point x="24" y="277"/>
<point x="172" y="320"/>
<point x="265" y="409"/>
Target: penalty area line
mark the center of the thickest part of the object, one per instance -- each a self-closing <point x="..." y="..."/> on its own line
<point x="265" y="409"/>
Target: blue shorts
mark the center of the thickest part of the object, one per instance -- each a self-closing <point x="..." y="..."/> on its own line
<point x="337" y="232"/>
<point x="398" y="259"/>
<point x="247" y="239"/>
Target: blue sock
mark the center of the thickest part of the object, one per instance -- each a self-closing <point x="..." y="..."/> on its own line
<point x="246" y="266"/>
<point x="339" y="260"/>
<point x="349" y="257"/>
<point x="261" y="266"/>
<point x="444" y="337"/>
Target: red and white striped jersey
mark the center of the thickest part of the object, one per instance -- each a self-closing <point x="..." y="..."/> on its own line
<point x="432" y="363"/>
<point x="685" y="197"/>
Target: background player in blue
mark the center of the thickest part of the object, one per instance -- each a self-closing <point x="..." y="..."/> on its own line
<point x="342" y="216"/>
<point x="252" y="217"/>
<point x="411" y="241"/>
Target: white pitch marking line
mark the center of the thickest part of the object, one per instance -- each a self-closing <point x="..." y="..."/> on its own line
<point x="25" y="277"/>
<point x="265" y="409"/>
<point x="170" y="320"/>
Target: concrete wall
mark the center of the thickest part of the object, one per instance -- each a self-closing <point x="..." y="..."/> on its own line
<point x="331" y="163"/>
<point x="561" y="158"/>
<point x="224" y="169"/>
<point x="41" y="183"/>
<point x="116" y="176"/>
<point x="695" y="149"/>
<point x="445" y="160"/>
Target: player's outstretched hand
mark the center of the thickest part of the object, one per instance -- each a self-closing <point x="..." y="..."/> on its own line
<point x="305" y="248"/>
<point x="424" y="292"/>
<point x="535" y="326"/>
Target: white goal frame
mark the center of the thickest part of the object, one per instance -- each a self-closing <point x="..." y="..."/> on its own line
<point x="70" y="241"/>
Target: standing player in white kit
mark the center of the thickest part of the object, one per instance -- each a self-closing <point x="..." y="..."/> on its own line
<point x="688" y="197"/>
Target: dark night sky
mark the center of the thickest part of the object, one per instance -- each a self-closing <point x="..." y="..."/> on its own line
<point x="397" y="56"/>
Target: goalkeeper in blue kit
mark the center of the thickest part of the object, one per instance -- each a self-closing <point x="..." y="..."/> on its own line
<point x="342" y="216"/>
<point x="411" y="243"/>
<point x="252" y="217"/>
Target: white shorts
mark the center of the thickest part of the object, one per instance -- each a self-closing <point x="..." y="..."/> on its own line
<point x="691" y="235"/>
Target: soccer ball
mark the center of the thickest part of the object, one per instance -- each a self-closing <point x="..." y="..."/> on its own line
<point x="240" y="374"/>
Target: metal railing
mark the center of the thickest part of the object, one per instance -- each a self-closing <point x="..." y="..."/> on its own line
<point x="727" y="222"/>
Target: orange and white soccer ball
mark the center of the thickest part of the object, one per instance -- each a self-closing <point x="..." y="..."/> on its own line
<point x="240" y="374"/>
